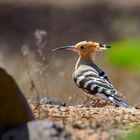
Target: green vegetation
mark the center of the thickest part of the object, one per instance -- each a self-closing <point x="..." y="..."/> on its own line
<point x="134" y="135"/>
<point x="125" y="54"/>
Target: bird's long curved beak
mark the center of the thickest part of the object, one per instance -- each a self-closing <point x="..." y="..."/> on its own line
<point x="64" y="48"/>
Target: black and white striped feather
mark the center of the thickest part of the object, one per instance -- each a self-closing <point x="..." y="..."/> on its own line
<point x="94" y="81"/>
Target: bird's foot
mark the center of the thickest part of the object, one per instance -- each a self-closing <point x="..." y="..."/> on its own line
<point x="80" y="105"/>
<point x="84" y="103"/>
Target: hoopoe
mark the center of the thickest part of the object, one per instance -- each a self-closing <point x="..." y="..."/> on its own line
<point x="88" y="76"/>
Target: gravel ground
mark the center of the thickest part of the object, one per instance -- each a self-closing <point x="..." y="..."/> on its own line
<point x="88" y="123"/>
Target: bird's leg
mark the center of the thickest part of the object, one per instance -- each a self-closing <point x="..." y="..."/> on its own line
<point x="85" y="102"/>
<point x="96" y="102"/>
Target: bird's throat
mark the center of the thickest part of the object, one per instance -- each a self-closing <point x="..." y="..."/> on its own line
<point x="83" y="61"/>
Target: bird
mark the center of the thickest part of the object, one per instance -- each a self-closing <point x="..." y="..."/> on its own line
<point x="89" y="76"/>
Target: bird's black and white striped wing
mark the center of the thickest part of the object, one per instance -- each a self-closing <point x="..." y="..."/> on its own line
<point x="90" y="80"/>
<point x="101" y="73"/>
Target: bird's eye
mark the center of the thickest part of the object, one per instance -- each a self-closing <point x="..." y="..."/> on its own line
<point x="82" y="47"/>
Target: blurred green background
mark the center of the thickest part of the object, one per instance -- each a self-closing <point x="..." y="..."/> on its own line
<point x="29" y="30"/>
<point x="126" y="54"/>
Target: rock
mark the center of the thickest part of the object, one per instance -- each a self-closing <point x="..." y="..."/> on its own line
<point x="14" y="108"/>
<point x="137" y="106"/>
<point x="17" y="121"/>
<point x="52" y="101"/>
<point x="45" y="100"/>
<point x="37" y="130"/>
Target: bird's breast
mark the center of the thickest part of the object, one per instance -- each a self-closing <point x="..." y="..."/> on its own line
<point x="83" y="75"/>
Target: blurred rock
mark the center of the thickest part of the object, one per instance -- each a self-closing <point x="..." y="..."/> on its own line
<point x="52" y="101"/>
<point x="37" y="130"/>
<point x="137" y="106"/>
<point x="16" y="118"/>
<point x="13" y="106"/>
<point x="45" y="100"/>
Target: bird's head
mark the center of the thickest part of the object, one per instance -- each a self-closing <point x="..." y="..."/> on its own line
<point x="85" y="48"/>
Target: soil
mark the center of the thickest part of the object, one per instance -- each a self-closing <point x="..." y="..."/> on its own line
<point x="90" y="123"/>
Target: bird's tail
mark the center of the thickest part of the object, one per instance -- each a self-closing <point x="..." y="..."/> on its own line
<point x="119" y="102"/>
